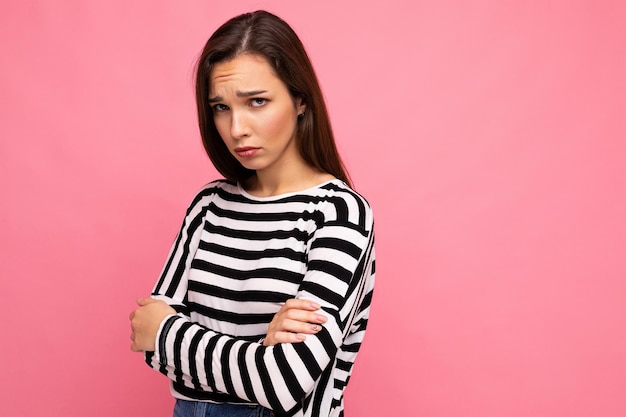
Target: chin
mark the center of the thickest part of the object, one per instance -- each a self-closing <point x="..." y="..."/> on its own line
<point x="251" y="165"/>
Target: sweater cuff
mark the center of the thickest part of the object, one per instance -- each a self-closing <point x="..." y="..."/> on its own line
<point x="160" y="345"/>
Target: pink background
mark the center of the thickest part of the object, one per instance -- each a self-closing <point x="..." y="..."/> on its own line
<point x="489" y="136"/>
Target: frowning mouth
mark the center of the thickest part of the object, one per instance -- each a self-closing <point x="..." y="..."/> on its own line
<point x="246" y="151"/>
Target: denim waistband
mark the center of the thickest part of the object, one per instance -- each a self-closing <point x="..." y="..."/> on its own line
<point x="184" y="408"/>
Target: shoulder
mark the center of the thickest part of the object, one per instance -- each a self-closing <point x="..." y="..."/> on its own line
<point x="344" y="205"/>
<point x="206" y="193"/>
<point x="216" y="186"/>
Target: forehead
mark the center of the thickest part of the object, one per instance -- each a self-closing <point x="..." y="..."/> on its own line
<point x="243" y="71"/>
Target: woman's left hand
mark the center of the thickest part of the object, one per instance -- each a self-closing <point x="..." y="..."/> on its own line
<point x="145" y="322"/>
<point x="295" y="319"/>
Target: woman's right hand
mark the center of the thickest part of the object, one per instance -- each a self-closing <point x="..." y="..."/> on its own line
<point x="293" y="322"/>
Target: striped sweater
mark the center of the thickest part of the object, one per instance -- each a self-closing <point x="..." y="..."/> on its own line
<point x="235" y="261"/>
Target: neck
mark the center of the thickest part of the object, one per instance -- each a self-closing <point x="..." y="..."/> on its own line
<point x="267" y="183"/>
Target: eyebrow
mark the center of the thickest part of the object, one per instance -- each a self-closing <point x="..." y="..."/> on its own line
<point x="217" y="99"/>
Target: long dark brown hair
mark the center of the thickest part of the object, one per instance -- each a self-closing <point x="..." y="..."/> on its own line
<point x="264" y="34"/>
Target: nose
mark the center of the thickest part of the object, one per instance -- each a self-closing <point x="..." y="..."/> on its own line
<point x="239" y="127"/>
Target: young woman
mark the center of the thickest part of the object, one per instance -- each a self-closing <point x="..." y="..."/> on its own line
<point x="262" y="305"/>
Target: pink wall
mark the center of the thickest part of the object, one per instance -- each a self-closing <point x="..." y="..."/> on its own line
<point x="489" y="137"/>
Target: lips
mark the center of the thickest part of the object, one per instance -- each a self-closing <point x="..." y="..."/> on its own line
<point x="246" y="151"/>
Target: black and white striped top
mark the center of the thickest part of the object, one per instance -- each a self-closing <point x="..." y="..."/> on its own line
<point x="236" y="260"/>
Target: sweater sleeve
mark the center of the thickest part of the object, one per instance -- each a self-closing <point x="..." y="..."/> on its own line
<point x="172" y="284"/>
<point x="339" y="277"/>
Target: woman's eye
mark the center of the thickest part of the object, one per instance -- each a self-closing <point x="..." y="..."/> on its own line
<point x="258" y="102"/>
<point x="220" y="107"/>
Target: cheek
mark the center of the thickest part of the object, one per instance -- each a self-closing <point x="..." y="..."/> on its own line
<point x="280" y="123"/>
<point x="222" y="127"/>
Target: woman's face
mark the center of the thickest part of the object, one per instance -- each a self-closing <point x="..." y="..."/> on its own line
<point x="254" y="113"/>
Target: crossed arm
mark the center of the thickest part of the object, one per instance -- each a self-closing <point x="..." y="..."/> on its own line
<point x="290" y="324"/>
<point x="285" y="370"/>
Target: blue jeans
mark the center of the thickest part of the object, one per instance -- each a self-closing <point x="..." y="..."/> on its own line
<point x="201" y="409"/>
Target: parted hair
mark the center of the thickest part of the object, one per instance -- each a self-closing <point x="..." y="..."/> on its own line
<point x="264" y="34"/>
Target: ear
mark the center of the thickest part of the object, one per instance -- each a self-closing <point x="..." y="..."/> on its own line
<point x="300" y="106"/>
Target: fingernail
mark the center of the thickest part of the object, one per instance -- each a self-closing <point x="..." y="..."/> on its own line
<point x="300" y="337"/>
<point x="315" y="327"/>
<point x="315" y="305"/>
<point x="321" y="318"/>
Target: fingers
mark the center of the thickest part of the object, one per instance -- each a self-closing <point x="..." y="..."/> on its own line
<point x="141" y="302"/>
<point x="133" y="347"/>
<point x="303" y="316"/>
<point x="295" y="319"/>
<point x="145" y="322"/>
<point x="287" y="337"/>
<point x="275" y="338"/>
<point x="301" y="310"/>
<point x="298" y="326"/>
<point x="301" y="304"/>
<point x="147" y="300"/>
